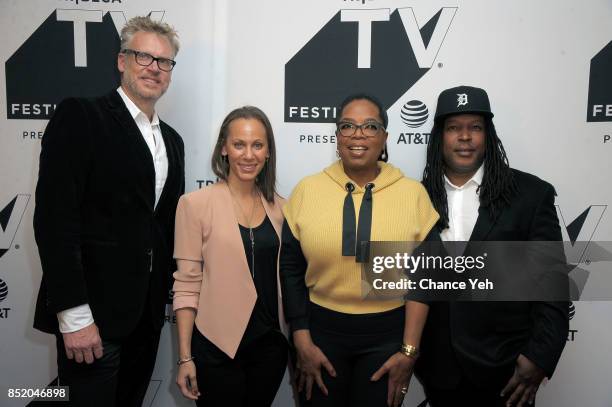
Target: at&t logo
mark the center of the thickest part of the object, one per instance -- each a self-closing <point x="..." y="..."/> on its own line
<point x="414" y="113"/>
<point x="3" y="294"/>
<point x="571" y="334"/>
<point x="3" y="290"/>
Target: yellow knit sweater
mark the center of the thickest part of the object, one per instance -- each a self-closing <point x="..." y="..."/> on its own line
<point x="401" y="211"/>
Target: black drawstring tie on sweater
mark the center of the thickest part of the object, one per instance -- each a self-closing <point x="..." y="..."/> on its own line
<point x="365" y="226"/>
<point x="349" y="248"/>
<point x="348" y="222"/>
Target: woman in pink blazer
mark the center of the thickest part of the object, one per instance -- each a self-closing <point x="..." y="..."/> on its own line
<point x="226" y="292"/>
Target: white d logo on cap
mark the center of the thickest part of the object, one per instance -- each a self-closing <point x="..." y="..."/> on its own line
<point x="462" y="99"/>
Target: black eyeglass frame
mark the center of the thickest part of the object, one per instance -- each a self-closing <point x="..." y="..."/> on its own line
<point x="360" y="127"/>
<point x="138" y="54"/>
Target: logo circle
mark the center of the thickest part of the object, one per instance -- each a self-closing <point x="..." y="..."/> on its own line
<point x="572" y="310"/>
<point x="3" y="290"/>
<point x="414" y="113"/>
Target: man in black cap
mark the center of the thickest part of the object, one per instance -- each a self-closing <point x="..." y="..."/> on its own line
<point x="486" y="353"/>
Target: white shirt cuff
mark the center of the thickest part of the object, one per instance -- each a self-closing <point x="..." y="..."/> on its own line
<point x="74" y="319"/>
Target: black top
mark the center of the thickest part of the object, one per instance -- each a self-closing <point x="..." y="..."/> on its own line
<point x="265" y="313"/>
<point x="296" y="299"/>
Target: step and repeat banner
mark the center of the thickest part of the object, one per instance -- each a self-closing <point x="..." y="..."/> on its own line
<point x="546" y="65"/>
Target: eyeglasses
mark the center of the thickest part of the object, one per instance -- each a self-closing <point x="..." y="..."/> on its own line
<point x="144" y="59"/>
<point x="368" y="129"/>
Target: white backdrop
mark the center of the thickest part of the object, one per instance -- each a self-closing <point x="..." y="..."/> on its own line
<point x="533" y="58"/>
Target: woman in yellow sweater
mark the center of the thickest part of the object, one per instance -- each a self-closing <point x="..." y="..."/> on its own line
<point x="351" y="352"/>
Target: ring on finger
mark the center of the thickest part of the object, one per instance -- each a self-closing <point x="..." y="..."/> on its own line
<point x="404" y="390"/>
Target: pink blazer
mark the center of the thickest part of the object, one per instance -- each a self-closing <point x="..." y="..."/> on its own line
<point x="213" y="274"/>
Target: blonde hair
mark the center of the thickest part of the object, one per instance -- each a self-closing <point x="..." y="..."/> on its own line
<point x="146" y="24"/>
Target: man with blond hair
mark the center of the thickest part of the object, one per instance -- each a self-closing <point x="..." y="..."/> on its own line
<point x="110" y="176"/>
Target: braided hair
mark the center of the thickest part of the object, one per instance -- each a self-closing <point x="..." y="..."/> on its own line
<point x="498" y="184"/>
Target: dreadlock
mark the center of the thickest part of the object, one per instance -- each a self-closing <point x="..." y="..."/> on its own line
<point x="498" y="184"/>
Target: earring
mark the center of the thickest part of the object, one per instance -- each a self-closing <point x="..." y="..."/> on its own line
<point x="384" y="156"/>
<point x="337" y="153"/>
<point x="224" y="157"/>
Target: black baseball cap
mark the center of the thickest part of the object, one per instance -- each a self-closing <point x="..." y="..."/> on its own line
<point x="463" y="99"/>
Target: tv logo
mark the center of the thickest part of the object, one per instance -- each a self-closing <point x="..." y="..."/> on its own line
<point x="72" y="53"/>
<point x="599" y="107"/>
<point x="10" y="218"/>
<point x="580" y="230"/>
<point x="376" y="51"/>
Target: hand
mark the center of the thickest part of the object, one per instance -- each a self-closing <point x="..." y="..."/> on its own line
<point x="309" y="361"/>
<point x="524" y="382"/>
<point x="399" y="367"/>
<point x="84" y="344"/>
<point x="186" y="380"/>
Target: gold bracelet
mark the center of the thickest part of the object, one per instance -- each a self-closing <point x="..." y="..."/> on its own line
<point x="181" y="361"/>
<point x="410" y="351"/>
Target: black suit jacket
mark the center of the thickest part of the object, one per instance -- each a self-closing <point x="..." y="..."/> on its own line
<point x="99" y="237"/>
<point x="481" y="340"/>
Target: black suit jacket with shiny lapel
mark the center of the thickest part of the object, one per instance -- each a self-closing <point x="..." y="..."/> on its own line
<point x="481" y="340"/>
<point x="99" y="237"/>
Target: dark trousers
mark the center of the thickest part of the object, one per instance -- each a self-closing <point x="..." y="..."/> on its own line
<point x="357" y="346"/>
<point x="251" y="379"/>
<point x="120" y="378"/>
<point x="466" y="394"/>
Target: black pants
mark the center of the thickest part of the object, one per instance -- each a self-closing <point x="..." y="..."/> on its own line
<point x="251" y="379"/>
<point x="357" y="346"/>
<point x="466" y="394"/>
<point x="120" y="378"/>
